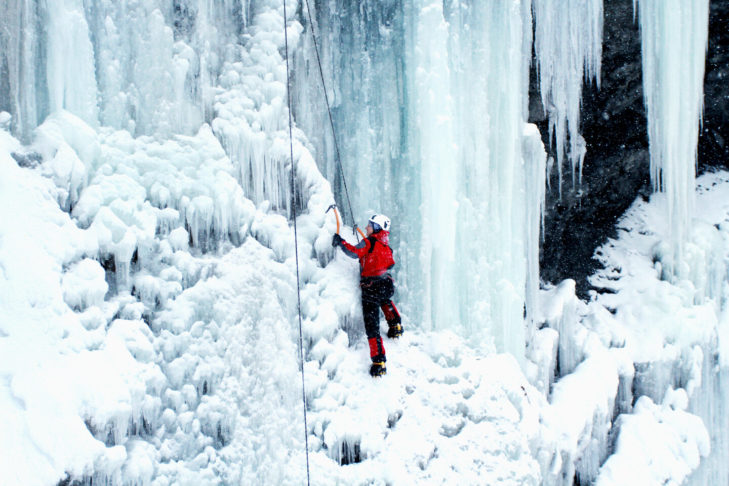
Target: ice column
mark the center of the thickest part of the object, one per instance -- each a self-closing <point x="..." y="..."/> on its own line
<point x="70" y="61"/>
<point x="568" y="46"/>
<point x="19" y="46"/>
<point x="486" y="53"/>
<point x="435" y="139"/>
<point x="674" y="37"/>
<point x="535" y="161"/>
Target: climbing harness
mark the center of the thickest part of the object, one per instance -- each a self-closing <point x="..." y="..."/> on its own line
<point x="296" y="243"/>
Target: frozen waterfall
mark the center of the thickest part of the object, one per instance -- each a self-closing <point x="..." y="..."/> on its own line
<point x="433" y="128"/>
<point x="145" y="172"/>
<point x="150" y="324"/>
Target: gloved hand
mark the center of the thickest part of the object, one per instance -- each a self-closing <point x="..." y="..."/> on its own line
<point x="336" y="239"/>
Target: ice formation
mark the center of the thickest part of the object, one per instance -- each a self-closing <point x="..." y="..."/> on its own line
<point x="148" y="372"/>
<point x="674" y="37"/>
<point x="568" y="49"/>
<point x="675" y="332"/>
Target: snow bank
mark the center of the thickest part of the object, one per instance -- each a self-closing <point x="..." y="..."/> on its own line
<point x="424" y="422"/>
<point x="671" y="325"/>
<point x="65" y="389"/>
<point x="658" y="444"/>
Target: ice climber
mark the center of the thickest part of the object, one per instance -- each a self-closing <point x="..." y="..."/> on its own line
<point x="378" y="287"/>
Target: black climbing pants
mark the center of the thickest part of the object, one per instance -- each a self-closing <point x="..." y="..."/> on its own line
<point x="377" y="293"/>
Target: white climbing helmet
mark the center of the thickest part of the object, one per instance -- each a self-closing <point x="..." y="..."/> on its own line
<point x="379" y="222"/>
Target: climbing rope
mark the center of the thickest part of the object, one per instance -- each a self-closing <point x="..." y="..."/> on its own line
<point x="293" y="195"/>
<point x="296" y="242"/>
<point x="329" y="110"/>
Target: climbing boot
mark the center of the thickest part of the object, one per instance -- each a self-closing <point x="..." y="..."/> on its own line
<point x="378" y="369"/>
<point x="395" y="330"/>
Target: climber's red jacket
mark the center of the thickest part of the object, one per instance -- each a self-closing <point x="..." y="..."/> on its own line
<point x="374" y="253"/>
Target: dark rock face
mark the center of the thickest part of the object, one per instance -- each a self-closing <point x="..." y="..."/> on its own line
<point x="714" y="141"/>
<point x="616" y="167"/>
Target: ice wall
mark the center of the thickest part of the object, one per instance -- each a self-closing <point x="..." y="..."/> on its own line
<point x="21" y="47"/>
<point x="362" y="53"/>
<point x="431" y="119"/>
<point x="181" y="261"/>
<point x="155" y="68"/>
<point x="674" y="38"/>
<point x="148" y="67"/>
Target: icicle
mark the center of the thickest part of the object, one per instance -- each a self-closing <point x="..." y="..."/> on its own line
<point x="535" y="159"/>
<point x="674" y="37"/>
<point x="568" y="46"/>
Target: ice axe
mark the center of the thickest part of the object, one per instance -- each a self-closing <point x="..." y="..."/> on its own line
<point x="336" y="213"/>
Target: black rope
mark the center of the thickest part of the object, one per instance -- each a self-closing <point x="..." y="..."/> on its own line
<point x="329" y="110"/>
<point x="296" y="242"/>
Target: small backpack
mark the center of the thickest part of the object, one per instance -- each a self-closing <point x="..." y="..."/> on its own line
<point x="383" y="256"/>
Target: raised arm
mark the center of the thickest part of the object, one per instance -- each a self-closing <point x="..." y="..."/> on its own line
<point x="352" y="251"/>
